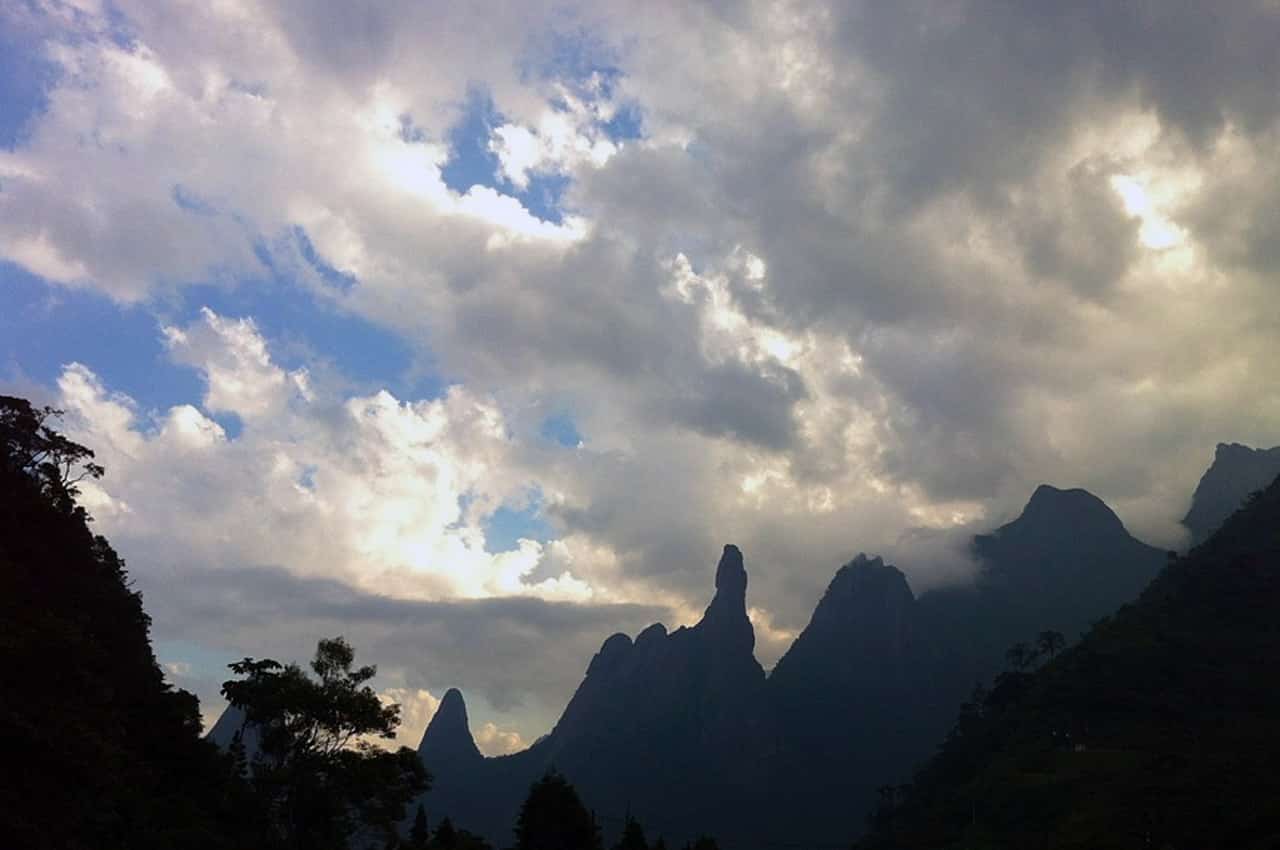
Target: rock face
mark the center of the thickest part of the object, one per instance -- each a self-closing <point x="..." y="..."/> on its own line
<point x="1236" y="472"/>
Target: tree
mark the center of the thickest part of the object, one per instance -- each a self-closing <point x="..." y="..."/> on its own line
<point x="1020" y="656"/>
<point x="29" y="445"/>
<point x="419" y="835"/>
<point x="553" y="818"/>
<point x="702" y="842"/>
<point x="632" y="836"/>
<point x="446" y="835"/>
<point x="316" y="770"/>
<point x="1050" y="643"/>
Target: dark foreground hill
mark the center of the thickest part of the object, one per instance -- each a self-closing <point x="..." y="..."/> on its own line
<point x="1158" y="730"/>
<point x="98" y="751"/>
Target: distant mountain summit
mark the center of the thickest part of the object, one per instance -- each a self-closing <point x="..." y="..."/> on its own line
<point x="862" y="634"/>
<point x="1236" y="472"/>
<point x="1065" y="561"/>
<point x="447" y="739"/>
<point x="1060" y="514"/>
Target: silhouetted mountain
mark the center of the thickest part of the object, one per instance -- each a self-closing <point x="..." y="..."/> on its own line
<point x="1236" y="472"/>
<point x="684" y="731"/>
<point x="846" y="697"/>
<point x="668" y="727"/>
<point x="1158" y="730"/>
<point x="1064" y="562"/>
<point x="230" y="723"/>
<point x="871" y="685"/>
<point x="447" y="739"/>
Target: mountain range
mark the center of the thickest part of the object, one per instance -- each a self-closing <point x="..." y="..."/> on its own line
<point x="686" y="732"/>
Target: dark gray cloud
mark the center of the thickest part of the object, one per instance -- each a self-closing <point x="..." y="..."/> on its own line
<point x="523" y="656"/>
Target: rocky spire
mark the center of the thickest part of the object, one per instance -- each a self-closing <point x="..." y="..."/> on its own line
<point x="726" y="616"/>
<point x="448" y="736"/>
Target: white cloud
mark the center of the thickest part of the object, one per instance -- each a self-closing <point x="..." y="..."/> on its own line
<point x="417" y="707"/>
<point x="389" y="495"/>
<point x="494" y="741"/>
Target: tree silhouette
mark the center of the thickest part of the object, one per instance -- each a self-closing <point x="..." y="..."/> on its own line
<point x="632" y="836"/>
<point x="446" y="835"/>
<point x="1020" y="656"/>
<point x="1050" y="643"/>
<point x="553" y="818"/>
<point x="30" y="446"/>
<point x="702" y="842"/>
<point x="419" y="835"/>
<point x="319" y="776"/>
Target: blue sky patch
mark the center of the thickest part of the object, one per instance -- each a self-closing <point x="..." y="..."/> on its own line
<point x="507" y="526"/>
<point x="25" y="77"/>
<point x="472" y="163"/>
<point x="43" y="328"/>
<point x="561" y="429"/>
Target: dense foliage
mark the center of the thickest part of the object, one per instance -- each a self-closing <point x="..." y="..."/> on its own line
<point x="99" y="751"/>
<point x="320" y="778"/>
<point x="554" y="818"/>
<point x="1157" y="730"/>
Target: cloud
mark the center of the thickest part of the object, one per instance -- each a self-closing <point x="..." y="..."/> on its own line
<point x="517" y="659"/>
<point x="493" y="741"/>
<point x="383" y="493"/>
<point x="417" y="707"/>
<point x="872" y="272"/>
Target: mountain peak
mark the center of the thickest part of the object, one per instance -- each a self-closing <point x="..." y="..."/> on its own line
<point x="731" y="575"/>
<point x="1068" y="510"/>
<point x="448" y="735"/>
<point x="1237" y="470"/>
<point x="612" y="652"/>
<point x="861" y="632"/>
<point x="865" y="573"/>
<point x="727" y="613"/>
<point x="862" y="589"/>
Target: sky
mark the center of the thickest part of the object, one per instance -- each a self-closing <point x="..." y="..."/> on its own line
<point x="473" y="331"/>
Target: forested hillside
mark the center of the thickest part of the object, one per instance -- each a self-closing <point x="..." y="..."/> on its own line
<point x="99" y="751"/>
<point x="1157" y="730"/>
